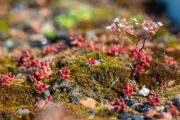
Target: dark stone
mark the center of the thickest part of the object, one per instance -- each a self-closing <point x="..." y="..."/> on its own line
<point x="130" y="102"/>
<point x="75" y="100"/>
<point x="91" y="113"/>
<point x="137" y="117"/>
<point x="151" y="118"/>
<point x="143" y="108"/>
<point x="125" y="97"/>
<point x="167" y="110"/>
<point x="39" y="44"/>
<point x="124" y="116"/>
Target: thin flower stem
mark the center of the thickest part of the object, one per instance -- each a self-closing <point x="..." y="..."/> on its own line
<point x="137" y="62"/>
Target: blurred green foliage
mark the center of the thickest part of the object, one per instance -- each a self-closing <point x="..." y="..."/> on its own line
<point x="4" y="25"/>
<point x="51" y="34"/>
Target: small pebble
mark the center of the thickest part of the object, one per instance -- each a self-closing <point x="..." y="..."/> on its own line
<point x="137" y="117"/>
<point x="150" y="113"/>
<point x="171" y="83"/>
<point x="89" y="103"/>
<point x="160" y="109"/>
<point x="91" y="114"/>
<point x="22" y="112"/>
<point x="143" y="108"/>
<point x="176" y="101"/>
<point x="130" y="102"/>
<point x="125" y="97"/>
<point x="46" y="92"/>
<point x="40" y="104"/>
<point x="75" y="100"/>
<point x="164" y="116"/>
<point x="144" y="91"/>
<point x="124" y="116"/>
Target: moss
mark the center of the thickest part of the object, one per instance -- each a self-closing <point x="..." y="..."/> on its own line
<point x="63" y="97"/>
<point x="103" y="111"/>
<point x="26" y="117"/>
<point x="16" y="95"/>
<point x="8" y="114"/>
<point x="6" y="66"/>
<point x="175" y="54"/>
<point x="94" y="80"/>
<point x="156" y="74"/>
<point x="169" y="94"/>
<point x="78" y="112"/>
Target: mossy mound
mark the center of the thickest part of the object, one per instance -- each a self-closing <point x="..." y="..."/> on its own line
<point x="158" y="73"/>
<point x="16" y="95"/>
<point x="90" y="80"/>
<point x="98" y="81"/>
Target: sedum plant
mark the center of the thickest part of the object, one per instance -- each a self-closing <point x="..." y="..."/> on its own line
<point x="142" y="31"/>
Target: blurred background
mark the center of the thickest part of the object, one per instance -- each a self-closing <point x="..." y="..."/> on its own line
<point x="38" y="22"/>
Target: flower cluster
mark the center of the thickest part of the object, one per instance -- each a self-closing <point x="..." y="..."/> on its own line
<point x="147" y="27"/>
<point x="150" y="27"/>
<point x="5" y="79"/>
<point x="142" y="31"/>
<point x="116" y="50"/>
<point x="128" y="90"/>
<point x="64" y="73"/>
<point x="143" y="60"/>
<point x="170" y="61"/>
<point x="77" y="40"/>
<point x="173" y="110"/>
<point x="43" y="71"/>
<point x="25" y="60"/>
<point x="92" y="61"/>
<point x="119" y="104"/>
<point x="41" y="86"/>
<point x="48" y="50"/>
<point x="154" y="99"/>
<point x="35" y="63"/>
<point x="53" y="48"/>
<point x="133" y="53"/>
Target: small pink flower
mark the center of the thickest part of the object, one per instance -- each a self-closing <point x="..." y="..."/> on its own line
<point x="154" y="99"/>
<point x="170" y="61"/>
<point x="119" y="104"/>
<point x="64" y="73"/>
<point x="41" y="87"/>
<point x="5" y="79"/>
<point x="35" y="63"/>
<point x="25" y="61"/>
<point x="143" y="62"/>
<point x="48" y="50"/>
<point x="92" y="61"/>
<point x="173" y="110"/>
<point x="163" y="85"/>
<point x="49" y="98"/>
<point x="77" y="40"/>
<point x="116" y="50"/>
<point x="43" y="71"/>
<point x="128" y="90"/>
